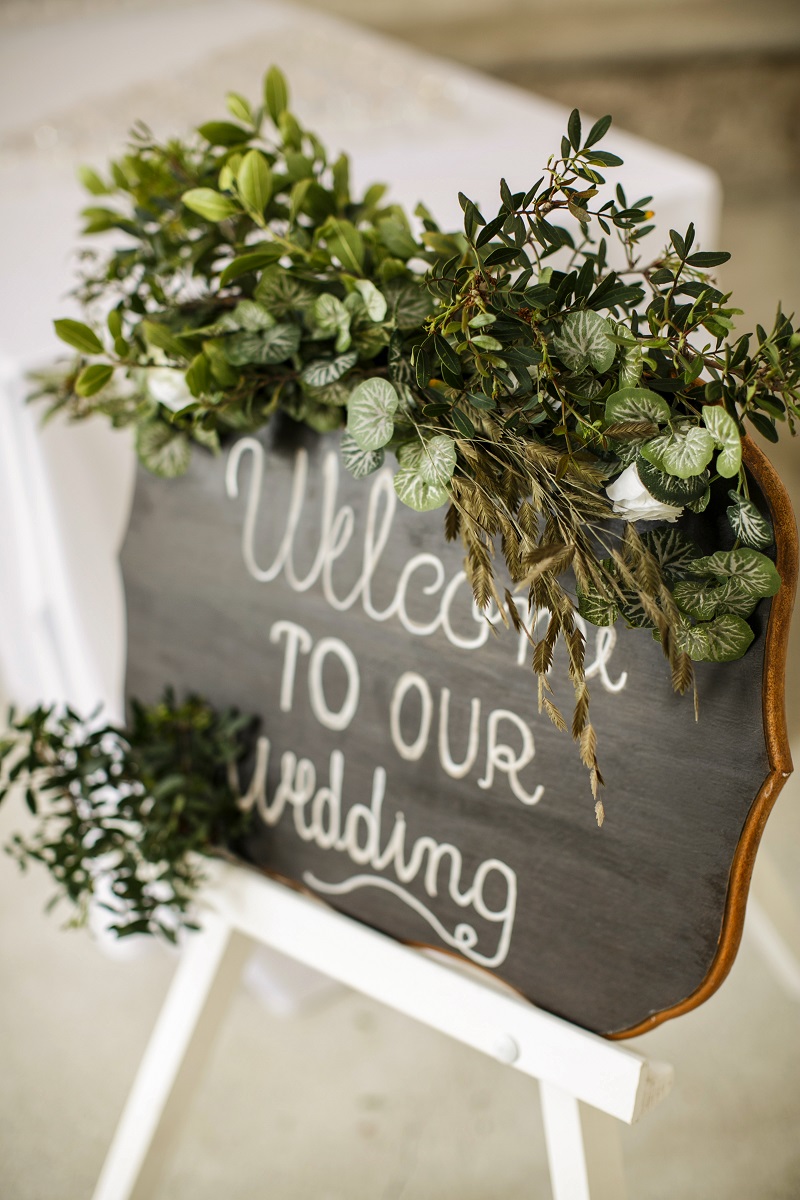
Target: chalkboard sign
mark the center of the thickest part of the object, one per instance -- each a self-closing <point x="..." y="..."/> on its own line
<point x="404" y="775"/>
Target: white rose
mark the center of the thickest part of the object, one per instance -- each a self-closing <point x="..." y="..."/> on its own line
<point x="168" y="386"/>
<point x="633" y="502"/>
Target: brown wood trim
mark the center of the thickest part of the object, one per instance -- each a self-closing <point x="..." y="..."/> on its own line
<point x="775" y="734"/>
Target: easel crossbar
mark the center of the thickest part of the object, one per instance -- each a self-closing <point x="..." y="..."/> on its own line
<point x="606" y="1075"/>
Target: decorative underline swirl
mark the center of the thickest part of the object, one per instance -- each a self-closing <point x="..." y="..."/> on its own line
<point x="464" y="938"/>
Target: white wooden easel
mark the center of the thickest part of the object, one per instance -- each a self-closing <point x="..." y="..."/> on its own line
<point x="586" y="1083"/>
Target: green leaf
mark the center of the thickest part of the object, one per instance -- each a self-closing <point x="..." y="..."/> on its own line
<point x="747" y="522"/>
<point x="324" y="371"/>
<point x="92" y="181"/>
<point x="598" y="131"/>
<point x="725" y="433"/>
<point x="724" y="639"/>
<point x="412" y="489"/>
<point x="164" y="339"/>
<point x="223" y="133"/>
<point x="462" y="423"/>
<point x="162" y="449"/>
<point x="267" y="347"/>
<point x="670" y="489"/>
<point x="673" y="551"/>
<point x="595" y="609"/>
<point x="434" y="459"/>
<point x="254" y="178"/>
<point x="345" y="242"/>
<point x="239" y="108"/>
<point x="585" y="340"/>
<point x="374" y="300"/>
<point x="252" y="316"/>
<point x="92" y="379"/>
<point x="78" y="335"/>
<point x="210" y="205"/>
<point x="254" y="260"/>
<point x="636" y="404"/>
<point x="710" y="258"/>
<point x="705" y="599"/>
<point x="574" y="129"/>
<point x="370" y="413"/>
<point x="276" y="93"/>
<point x="684" y="453"/>
<point x="700" y="504"/>
<point x="397" y="238"/>
<point x="754" y="572"/>
<point x="198" y="375"/>
<point x="332" y="319"/>
<point x="632" y="366"/>
<point x="360" y="463"/>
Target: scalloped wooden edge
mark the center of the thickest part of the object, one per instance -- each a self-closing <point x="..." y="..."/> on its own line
<point x="775" y="734"/>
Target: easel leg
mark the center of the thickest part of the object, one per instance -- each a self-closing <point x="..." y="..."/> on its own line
<point x="204" y="982"/>
<point x="583" y="1148"/>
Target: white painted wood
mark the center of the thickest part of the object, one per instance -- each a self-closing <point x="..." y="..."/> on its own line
<point x="607" y="1075"/>
<point x="583" y="1148"/>
<point x="571" y="1064"/>
<point x="206" y="977"/>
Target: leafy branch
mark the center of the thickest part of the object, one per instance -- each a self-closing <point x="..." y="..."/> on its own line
<point x="122" y="814"/>
<point x="550" y="400"/>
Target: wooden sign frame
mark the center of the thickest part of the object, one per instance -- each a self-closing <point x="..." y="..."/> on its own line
<point x="164" y="580"/>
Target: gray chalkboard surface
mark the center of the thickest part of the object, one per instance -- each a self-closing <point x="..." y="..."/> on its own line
<point x="404" y="775"/>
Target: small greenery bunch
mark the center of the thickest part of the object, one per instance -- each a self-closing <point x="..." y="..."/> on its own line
<point x="123" y="813"/>
<point x="548" y="399"/>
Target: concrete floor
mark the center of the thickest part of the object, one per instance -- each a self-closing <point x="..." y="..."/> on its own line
<point x="349" y="1101"/>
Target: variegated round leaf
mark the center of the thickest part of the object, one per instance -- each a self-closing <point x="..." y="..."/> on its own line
<point x="585" y="340"/>
<point x="724" y="639"/>
<point x="370" y="413"/>
<point x="636" y="404"/>
<point x="722" y="427"/>
<point x="358" y="462"/>
<point x="747" y="522"/>
<point x="416" y="493"/>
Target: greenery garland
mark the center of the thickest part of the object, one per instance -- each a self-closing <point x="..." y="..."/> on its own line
<point x="122" y="814"/>
<point x="551" y="401"/>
